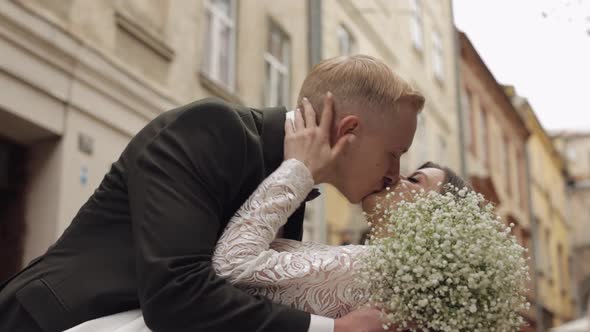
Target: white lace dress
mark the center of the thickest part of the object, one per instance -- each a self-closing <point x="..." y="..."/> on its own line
<point x="312" y="277"/>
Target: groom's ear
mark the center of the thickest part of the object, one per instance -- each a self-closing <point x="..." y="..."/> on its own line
<point x="347" y="125"/>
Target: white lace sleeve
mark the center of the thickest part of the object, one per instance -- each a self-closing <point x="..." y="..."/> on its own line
<point x="312" y="277"/>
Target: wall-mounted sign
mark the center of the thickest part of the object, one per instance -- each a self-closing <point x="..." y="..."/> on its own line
<point x="85" y="144"/>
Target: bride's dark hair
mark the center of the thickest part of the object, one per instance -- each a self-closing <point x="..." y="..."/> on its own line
<point x="450" y="177"/>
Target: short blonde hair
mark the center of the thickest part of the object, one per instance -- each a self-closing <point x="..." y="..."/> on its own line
<point x="361" y="80"/>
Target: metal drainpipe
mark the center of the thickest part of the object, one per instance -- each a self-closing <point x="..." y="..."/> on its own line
<point x="314" y="35"/>
<point x="314" y="31"/>
<point x="460" y="118"/>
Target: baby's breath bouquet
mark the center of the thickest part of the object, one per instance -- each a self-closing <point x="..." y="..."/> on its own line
<point x="445" y="262"/>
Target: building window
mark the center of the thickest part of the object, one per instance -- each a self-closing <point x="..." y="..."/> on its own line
<point x="548" y="253"/>
<point x="219" y="47"/>
<point x="483" y="137"/>
<point x="501" y="153"/>
<point x="416" y="24"/>
<point x="467" y="116"/>
<point x="276" y="60"/>
<point x="571" y="154"/>
<point x="522" y="180"/>
<point x="526" y="243"/>
<point x="519" y="195"/>
<point x="437" y="56"/>
<point x="538" y="245"/>
<point x="346" y="43"/>
<point x="516" y="230"/>
<point x="308" y="223"/>
<point x="507" y="169"/>
<point x="562" y="268"/>
<point x="442" y="150"/>
<point x="422" y="138"/>
<point x="526" y="240"/>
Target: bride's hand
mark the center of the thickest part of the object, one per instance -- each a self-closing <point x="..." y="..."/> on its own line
<point x="309" y="142"/>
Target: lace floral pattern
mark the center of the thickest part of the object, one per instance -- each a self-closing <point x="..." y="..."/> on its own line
<point x="312" y="277"/>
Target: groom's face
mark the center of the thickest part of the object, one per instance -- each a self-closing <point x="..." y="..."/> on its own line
<point x="373" y="160"/>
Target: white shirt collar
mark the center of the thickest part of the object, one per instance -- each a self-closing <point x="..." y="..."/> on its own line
<point x="291" y="116"/>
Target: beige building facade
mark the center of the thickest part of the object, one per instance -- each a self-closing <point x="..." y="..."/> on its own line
<point x="495" y="139"/>
<point x="552" y="229"/>
<point x="416" y="38"/>
<point x="575" y="148"/>
<point x="80" y="78"/>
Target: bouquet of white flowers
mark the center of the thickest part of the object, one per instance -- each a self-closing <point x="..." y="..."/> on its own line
<point x="445" y="262"/>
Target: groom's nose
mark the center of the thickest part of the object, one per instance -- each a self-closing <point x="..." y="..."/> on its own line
<point x="393" y="171"/>
<point x="391" y="181"/>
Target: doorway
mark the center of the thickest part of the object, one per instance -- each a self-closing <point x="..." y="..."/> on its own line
<point x="13" y="177"/>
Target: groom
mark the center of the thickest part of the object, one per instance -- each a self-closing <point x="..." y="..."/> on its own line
<point x="145" y="237"/>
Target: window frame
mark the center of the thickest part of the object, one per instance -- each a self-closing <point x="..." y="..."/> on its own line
<point x="210" y="64"/>
<point x="271" y="95"/>
<point x="416" y="24"/>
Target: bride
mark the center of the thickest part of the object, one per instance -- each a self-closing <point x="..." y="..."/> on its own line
<point x="313" y="277"/>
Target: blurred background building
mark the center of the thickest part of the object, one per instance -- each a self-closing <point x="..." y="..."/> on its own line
<point x="575" y="147"/>
<point x="551" y="228"/>
<point x="495" y="140"/>
<point x="79" y="78"/>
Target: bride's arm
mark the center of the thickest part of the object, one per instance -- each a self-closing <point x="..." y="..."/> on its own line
<point x="247" y="256"/>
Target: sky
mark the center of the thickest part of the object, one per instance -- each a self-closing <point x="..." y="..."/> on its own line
<point x="542" y="47"/>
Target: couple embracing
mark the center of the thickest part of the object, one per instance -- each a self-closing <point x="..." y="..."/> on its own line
<point x="197" y="226"/>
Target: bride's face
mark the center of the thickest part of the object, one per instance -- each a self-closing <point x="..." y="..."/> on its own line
<point x="428" y="179"/>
